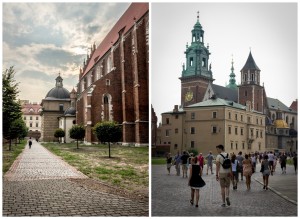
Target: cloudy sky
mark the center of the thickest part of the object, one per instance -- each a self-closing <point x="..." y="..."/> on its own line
<point x="270" y="29"/>
<point x="42" y="39"/>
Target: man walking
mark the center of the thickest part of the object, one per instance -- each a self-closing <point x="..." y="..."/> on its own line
<point x="209" y="159"/>
<point x="223" y="173"/>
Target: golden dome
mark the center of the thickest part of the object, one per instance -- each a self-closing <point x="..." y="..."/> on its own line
<point x="280" y="124"/>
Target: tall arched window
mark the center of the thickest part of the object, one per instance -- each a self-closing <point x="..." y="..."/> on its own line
<point x="106" y="108"/>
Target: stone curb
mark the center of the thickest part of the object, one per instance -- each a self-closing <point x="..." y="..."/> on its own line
<point x="278" y="193"/>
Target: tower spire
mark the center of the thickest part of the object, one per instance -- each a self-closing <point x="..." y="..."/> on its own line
<point x="197" y="16"/>
<point x="232" y="80"/>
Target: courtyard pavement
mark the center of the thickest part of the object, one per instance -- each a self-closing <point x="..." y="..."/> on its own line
<point x="171" y="195"/>
<point x="40" y="184"/>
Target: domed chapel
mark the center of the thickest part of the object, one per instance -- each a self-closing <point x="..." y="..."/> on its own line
<point x="56" y="107"/>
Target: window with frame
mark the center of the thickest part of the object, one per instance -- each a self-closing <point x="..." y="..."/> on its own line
<point x="192" y="130"/>
<point x="261" y="134"/>
<point x="236" y="130"/>
<point x="167" y="133"/>
<point x="231" y="145"/>
<point x="176" y="131"/>
<point x="192" y="144"/>
<point x="236" y="145"/>
<point x="37" y="118"/>
<point x="249" y="119"/>
<point x="243" y="145"/>
<point x="256" y="133"/>
<point x="242" y="131"/>
<point x="214" y="129"/>
<point x="36" y="124"/>
<point x="251" y="132"/>
<point x="242" y="118"/>
<point x="229" y="115"/>
<point x="214" y="115"/>
<point x="167" y="121"/>
<point x="30" y="125"/>
<point x="229" y="130"/>
<point x="192" y="115"/>
<point x="236" y="117"/>
<point x="61" y="107"/>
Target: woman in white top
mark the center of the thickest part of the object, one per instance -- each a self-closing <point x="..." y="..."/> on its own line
<point x="235" y="175"/>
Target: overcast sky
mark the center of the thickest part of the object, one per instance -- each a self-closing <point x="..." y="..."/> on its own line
<point x="270" y="29"/>
<point x="42" y="39"/>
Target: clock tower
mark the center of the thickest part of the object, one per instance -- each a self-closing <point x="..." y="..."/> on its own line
<point x="196" y="73"/>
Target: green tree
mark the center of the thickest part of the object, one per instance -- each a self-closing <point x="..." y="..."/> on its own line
<point x="77" y="132"/>
<point x="11" y="107"/>
<point x="59" y="133"/>
<point x="108" y="132"/>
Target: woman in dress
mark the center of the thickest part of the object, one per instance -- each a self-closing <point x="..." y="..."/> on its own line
<point x="265" y="169"/>
<point x="195" y="180"/>
<point x="247" y="170"/>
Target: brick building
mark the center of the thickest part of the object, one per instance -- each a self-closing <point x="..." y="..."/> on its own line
<point x="113" y="83"/>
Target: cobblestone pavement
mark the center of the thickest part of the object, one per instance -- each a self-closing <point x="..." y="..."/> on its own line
<point x="41" y="184"/>
<point x="171" y="195"/>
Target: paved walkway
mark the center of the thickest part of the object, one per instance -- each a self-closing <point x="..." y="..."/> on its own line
<point x="40" y="184"/>
<point x="171" y="195"/>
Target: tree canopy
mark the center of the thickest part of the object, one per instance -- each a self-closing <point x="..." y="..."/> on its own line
<point x="77" y="132"/>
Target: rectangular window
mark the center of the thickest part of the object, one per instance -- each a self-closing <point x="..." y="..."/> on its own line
<point x="214" y="115"/>
<point x="256" y="133"/>
<point x="257" y="121"/>
<point x="175" y="146"/>
<point x="249" y="119"/>
<point x="236" y="117"/>
<point x="236" y="130"/>
<point x="251" y="133"/>
<point x="192" y="115"/>
<point x="243" y="145"/>
<point x="107" y="82"/>
<point x="191" y="61"/>
<point x="167" y="121"/>
<point x="261" y="121"/>
<point x="214" y="129"/>
<point x="236" y="145"/>
<point x="231" y="145"/>
<point x="37" y="118"/>
<point x="176" y="131"/>
<point x="192" y="130"/>
<point x="229" y="129"/>
<point x="242" y="118"/>
<point x="229" y="115"/>
<point x="192" y="144"/>
<point x="242" y="131"/>
<point x="30" y="124"/>
<point x="167" y="133"/>
<point x="36" y="124"/>
<point x="61" y="107"/>
<point x="261" y="134"/>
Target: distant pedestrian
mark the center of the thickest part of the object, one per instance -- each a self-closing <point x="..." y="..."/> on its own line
<point x="271" y="161"/>
<point x="295" y="161"/>
<point x="209" y="159"/>
<point x="223" y="174"/>
<point x="247" y="171"/>
<point x="201" y="160"/>
<point x="184" y="159"/>
<point x="195" y="180"/>
<point x="253" y="160"/>
<point x="177" y="163"/>
<point x="235" y="176"/>
<point x="240" y="159"/>
<point x="265" y="170"/>
<point x="169" y="163"/>
<point x="30" y="143"/>
<point x="282" y="160"/>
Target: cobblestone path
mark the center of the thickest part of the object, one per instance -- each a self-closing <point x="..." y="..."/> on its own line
<point x="40" y="184"/>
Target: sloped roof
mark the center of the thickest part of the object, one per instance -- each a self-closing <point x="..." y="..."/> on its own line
<point x="225" y="92"/>
<point x="250" y="64"/>
<point x="275" y="104"/>
<point x="294" y="105"/>
<point x="217" y="102"/>
<point x="135" y="11"/>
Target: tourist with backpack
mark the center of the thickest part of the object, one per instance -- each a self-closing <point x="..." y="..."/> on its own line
<point x="247" y="170"/>
<point x="223" y="173"/>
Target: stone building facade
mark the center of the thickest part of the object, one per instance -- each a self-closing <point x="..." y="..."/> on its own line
<point x="113" y="83"/>
<point x="56" y="102"/>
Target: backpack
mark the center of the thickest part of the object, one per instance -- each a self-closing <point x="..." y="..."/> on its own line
<point x="226" y="163"/>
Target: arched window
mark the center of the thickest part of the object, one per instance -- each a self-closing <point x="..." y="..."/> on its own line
<point x="108" y="66"/>
<point x="245" y="77"/>
<point x="106" y="108"/>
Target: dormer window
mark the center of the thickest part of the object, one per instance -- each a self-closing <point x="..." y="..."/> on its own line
<point x="204" y="62"/>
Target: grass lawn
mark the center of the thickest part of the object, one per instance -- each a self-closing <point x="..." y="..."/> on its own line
<point x="158" y="160"/>
<point x="10" y="156"/>
<point x="127" y="169"/>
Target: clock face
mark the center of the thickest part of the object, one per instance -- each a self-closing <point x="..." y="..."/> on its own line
<point x="188" y="96"/>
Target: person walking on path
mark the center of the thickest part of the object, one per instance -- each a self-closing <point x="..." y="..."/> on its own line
<point x="295" y="161"/>
<point x="169" y="163"/>
<point x="177" y="163"/>
<point x="30" y="143"/>
<point x="253" y="160"/>
<point x="240" y="159"/>
<point x="223" y="174"/>
<point x="235" y="176"/>
<point x="184" y="159"/>
<point x="209" y="159"/>
<point x="265" y="170"/>
<point x="282" y="160"/>
<point x="195" y="180"/>
<point x="271" y="161"/>
<point x="201" y="160"/>
<point x="247" y="171"/>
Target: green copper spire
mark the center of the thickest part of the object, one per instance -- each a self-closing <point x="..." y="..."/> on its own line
<point x="197" y="55"/>
<point x="232" y="81"/>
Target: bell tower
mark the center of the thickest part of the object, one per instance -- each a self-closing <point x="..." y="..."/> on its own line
<point x="196" y="73"/>
<point x="250" y="88"/>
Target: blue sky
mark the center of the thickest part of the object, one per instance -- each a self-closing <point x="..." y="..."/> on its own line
<point x="42" y="39"/>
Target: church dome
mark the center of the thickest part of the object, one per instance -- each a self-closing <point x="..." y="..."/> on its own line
<point x="58" y="92"/>
<point x="280" y="124"/>
<point x="71" y="111"/>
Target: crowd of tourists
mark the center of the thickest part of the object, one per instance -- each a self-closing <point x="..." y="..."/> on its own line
<point x="230" y="168"/>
